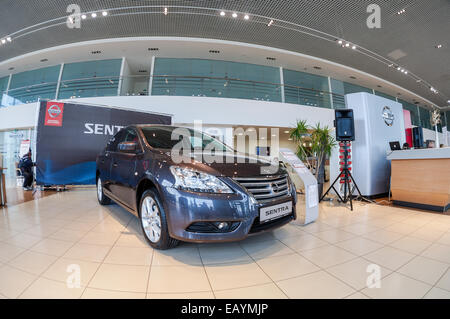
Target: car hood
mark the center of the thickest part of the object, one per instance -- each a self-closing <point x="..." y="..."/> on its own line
<point x="229" y="164"/>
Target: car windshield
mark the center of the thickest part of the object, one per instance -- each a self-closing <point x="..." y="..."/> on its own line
<point x="166" y="137"/>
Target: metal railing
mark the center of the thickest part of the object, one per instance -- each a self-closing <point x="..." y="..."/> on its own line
<point x="174" y="85"/>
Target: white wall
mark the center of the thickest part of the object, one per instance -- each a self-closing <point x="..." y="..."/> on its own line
<point x="213" y="111"/>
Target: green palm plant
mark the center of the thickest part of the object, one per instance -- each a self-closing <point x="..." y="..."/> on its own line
<point x="314" y="144"/>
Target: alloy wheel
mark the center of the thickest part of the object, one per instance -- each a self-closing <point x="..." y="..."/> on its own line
<point x="151" y="220"/>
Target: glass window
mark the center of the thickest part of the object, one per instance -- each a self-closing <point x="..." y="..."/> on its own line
<point x="337" y="87"/>
<point x="91" y="78"/>
<point x="425" y="118"/>
<point x="354" y="88"/>
<point x="387" y="96"/>
<point x="3" y="86"/>
<point x="29" y="86"/>
<point x="413" y="110"/>
<point x="306" y="89"/>
<point x="198" y="77"/>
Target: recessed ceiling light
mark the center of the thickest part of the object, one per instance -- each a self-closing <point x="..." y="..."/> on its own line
<point x="317" y="67"/>
<point x="234" y="15"/>
<point x="340" y="41"/>
<point x="246" y="17"/>
<point x="8" y="39"/>
<point x="153" y="49"/>
<point x="401" y="11"/>
<point x="104" y="13"/>
<point x="222" y="13"/>
<point x="347" y="44"/>
<point x="352" y="77"/>
<point x="11" y="68"/>
<point x="354" y="47"/>
<point x="448" y="101"/>
<point x="3" y="41"/>
<point x="166" y="11"/>
<point x="270" y="23"/>
<point x="438" y="46"/>
<point x="83" y="16"/>
<point x="94" y="15"/>
<point x="379" y="86"/>
<point x="44" y="60"/>
<point x="270" y="58"/>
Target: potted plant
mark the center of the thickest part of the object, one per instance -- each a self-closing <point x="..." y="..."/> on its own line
<point x="314" y="144"/>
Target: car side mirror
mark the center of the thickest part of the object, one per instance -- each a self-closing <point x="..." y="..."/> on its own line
<point x="127" y="147"/>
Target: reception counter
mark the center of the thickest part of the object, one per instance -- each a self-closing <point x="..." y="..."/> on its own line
<point x="421" y="178"/>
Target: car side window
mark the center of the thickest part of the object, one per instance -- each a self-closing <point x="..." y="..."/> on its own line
<point x="113" y="142"/>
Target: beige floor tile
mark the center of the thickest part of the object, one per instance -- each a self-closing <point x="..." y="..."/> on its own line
<point x="411" y="244"/>
<point x="427" y="233"/>
<point x="7" y="233"/>
<point x="44" y="288"/>
<point x="439" y="252"/>
<point x="106" y="227"/>
<point x="357" y="295"/>
<point x="316" y="227"/>
<point x="389" y="257"/>
<point x="360" y="228"/>
<point x="131" y="240"/>
<point x="437" y="293"/>
<point x="121" y="277"/>
<point x="287" y="231"/>
<point x="236" y="275"/>
<point x="130" y="256"/>
<point x="42" y="230"/>
<point x="304" y="242"/>
<point x="68" y="235"/>
<point x="402" y="228"/>
<point x="183" y="255"/>
<point x="357" y="273"/>
<point x="177" y="279"/>
<point x="397" y="286"/>
<point x="185" y="295"/>
<point x="91" y="293"/>
<point x="286" y="266"/>
<point x="424" y="269"/>
<point x="24" y="240"/>
<point x="221" y="253"/>
<point x="87" y="252"/>
<point x="316" y="285"/>
<point x="258" y="250"/>
<point x="8" y="252"/>
<point x="359" y="246"/>
<point x="14" y="281"/>
<point x="105" y="238"/>
<point x="32" y="262"/>
<point x="63" y="269"/>
<point x="52" y="247"/>
<point x="445" y="239"/>
<point x="383" y="236"/>
<point x="334" y="236"/>
<point x="266" y="291"/>
<point x="327" y="256"/>
<point x="444" y="282"/>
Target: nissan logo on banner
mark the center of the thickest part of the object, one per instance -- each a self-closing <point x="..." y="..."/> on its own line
<point x="54" y="114"/>
<point x="388" y="116"/>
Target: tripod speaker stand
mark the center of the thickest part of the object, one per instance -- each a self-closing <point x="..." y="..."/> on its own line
<point x="345" y="177"/>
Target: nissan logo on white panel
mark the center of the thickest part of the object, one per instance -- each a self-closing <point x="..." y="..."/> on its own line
<point x="388" y="116"/>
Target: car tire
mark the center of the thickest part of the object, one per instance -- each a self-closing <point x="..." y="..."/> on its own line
<point x="102" y="198"/>
<point x="153" y="218"/>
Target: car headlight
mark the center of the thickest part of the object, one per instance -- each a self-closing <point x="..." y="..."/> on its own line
<point x="192" y="180"/>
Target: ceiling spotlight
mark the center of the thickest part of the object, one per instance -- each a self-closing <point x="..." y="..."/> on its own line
<point x="391" y="65"/>
<point x="401" y="11"/>
<point x="222" y="13"/>
<point x="347" y="44"/>
<point x="83" y="16"/>
<point x="270" y="23"/>
<point x="406" y="72"/>
<point x="8" y="39"/>
<point x="340" y="41"/>
<point x="354" y="47"/>
<point x="94" y="15"/>
<point x="448" y="101"/>
<point x="246" y="17"/>
<point x="418" y="81"/>
<point x="234" y="15"/>
<point x="104" y="13"/>
<point x="399" y="68"/>
<point x="165" y="11"/>
<point x="3" y="41"/>
<point x="438" y="46"/>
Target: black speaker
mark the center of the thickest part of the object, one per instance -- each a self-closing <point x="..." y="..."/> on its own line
<point x="417" y="137"/>
<point x="345" y="125"/>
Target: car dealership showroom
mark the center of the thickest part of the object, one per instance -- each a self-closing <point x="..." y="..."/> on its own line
<point x="229" y="149"/>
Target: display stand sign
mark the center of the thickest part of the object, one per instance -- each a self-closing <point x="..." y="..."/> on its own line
<point x="310" y="182"/>
<point x="25" y="146"/>
<point x="70" y="136"/>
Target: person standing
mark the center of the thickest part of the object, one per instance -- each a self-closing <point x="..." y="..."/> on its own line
<point x="26" y="167"/>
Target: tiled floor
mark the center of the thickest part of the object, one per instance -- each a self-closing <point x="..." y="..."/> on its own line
<point x="373" y="252"/>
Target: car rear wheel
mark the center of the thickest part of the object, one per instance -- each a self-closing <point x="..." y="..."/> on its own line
<point x="154" y="221"/>
<point x="102" y="198"/>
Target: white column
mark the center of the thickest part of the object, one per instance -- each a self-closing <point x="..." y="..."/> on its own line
<point x="283" y="98"/>
<point x="58" y="85"/>
<point x="331" y="92"/>
<point x="150" y="82"/>
<point x="122" y="67"/>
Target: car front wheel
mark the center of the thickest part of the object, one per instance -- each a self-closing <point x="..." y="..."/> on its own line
<point x="154" y="221"/>
<point x="102" y="199"/>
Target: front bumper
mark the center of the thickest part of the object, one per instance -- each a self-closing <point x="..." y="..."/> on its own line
<point x="183" y="208"/>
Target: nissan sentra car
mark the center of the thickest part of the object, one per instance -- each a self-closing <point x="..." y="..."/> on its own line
<point x="195" y="199"/>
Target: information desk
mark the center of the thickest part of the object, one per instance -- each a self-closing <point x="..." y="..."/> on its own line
<point x="421" y="178"/>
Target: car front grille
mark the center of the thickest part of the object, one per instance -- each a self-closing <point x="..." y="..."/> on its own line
<point x="265" y="188"/>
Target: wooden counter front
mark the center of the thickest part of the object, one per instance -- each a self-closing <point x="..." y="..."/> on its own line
<point x="421" y="183"/>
